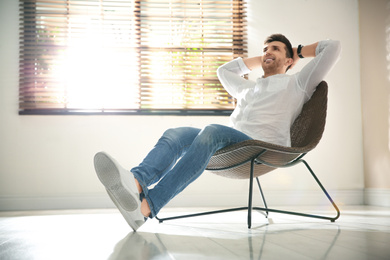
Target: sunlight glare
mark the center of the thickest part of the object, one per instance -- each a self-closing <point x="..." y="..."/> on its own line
<point x="98" y="70"/>
<point x="96" y="77"/>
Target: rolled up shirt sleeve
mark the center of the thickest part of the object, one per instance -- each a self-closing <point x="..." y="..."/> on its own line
<point x="231" y="76"/>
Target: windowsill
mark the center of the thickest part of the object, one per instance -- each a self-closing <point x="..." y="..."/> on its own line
<point x="159" y="112"/>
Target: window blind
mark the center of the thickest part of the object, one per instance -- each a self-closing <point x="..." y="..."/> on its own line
<point x="132" y="57"/>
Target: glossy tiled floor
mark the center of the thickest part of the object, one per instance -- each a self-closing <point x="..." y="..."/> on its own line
<point x="360" y="233"/>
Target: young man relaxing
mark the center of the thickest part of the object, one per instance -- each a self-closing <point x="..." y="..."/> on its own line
<point x="265" y="110"/>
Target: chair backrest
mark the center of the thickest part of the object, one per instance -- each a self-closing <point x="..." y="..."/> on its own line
<point x="308" y="127"/>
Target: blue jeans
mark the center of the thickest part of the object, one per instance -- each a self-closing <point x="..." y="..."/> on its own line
<point x="194" y="147"/>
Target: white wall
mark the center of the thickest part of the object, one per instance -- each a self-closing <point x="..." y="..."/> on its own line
<point x="46" y="161"/>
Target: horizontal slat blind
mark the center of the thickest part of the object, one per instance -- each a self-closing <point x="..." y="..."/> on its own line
<point x="122" y="55"/>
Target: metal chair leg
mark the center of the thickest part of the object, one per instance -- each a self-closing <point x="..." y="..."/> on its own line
<point x="262" y="196"/>
<point x="250" y="195"/>
<point x="332" y="219"/>
<point x="266" y="209"/>
<point x="324" y="190"/>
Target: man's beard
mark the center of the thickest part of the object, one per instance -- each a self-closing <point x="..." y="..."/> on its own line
<point x="272" y="67"/>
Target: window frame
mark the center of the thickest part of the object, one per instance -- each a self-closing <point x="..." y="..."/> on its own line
<point x="236" y="52"/>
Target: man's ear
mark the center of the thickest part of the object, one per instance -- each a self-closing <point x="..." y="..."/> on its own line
<point x="289" y="61"/>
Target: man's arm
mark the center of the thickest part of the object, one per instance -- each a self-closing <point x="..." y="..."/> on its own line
<point x="253" y="62"/>
<point x="308" y="51"/>
<point x="230" y="75"/>
<point x="326" y="53"/>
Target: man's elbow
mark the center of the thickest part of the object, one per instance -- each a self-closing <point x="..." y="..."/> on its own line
<point x="336" y="45"/>
<point x="334" y="48"/>
<point x="220" y="72"/>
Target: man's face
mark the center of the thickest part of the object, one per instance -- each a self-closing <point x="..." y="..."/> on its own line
<point x="274" y="56"/>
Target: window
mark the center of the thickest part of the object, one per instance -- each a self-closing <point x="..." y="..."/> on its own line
<point x="127" y="56"/>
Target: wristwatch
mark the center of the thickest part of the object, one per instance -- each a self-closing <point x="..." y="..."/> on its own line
<point x="299" y="51"/>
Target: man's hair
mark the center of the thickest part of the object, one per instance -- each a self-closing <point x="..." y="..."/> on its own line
<point x="281" y="38"/>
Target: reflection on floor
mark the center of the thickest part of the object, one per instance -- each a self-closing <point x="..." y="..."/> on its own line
<point x="361" y="233"/>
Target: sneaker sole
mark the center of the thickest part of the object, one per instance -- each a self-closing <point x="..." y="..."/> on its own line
<point x="134" y="224"/>
<point x="108" y="173"/>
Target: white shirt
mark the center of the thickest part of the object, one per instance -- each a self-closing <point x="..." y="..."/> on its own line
<point x="267" y="107"/>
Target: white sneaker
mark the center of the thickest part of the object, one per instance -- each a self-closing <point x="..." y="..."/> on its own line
<point x="121" y="188"/>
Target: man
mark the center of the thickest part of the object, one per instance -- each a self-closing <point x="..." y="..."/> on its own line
<point x="265" y="110"/>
